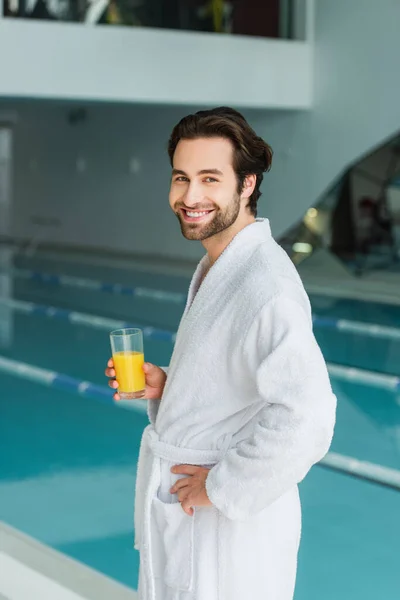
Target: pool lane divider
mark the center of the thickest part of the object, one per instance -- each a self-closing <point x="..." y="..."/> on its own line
<point x="101" y="286"/>
<point x="364" y="377"/>
<point x="339" y="372"/>
<point x="100" y="322"/>
<point x="337" y="462"/>
<point x="357" y="327"/>
<point x="342" y="325"/>
<point x="79" y="318"/>
<point x="60" y="381"/>
<point x="360" y="469"/>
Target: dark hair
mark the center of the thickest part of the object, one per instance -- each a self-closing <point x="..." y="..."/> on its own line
<point x="251" y="154"/>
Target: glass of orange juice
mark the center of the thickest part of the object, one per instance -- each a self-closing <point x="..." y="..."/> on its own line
<point x="128" y="357"/>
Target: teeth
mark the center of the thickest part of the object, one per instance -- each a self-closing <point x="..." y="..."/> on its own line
<point x="196" y="214"/>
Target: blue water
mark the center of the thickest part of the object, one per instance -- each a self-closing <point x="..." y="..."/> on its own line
<point x="67" y="466"/>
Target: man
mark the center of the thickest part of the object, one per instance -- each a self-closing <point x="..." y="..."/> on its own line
<point x="246" y="404"/>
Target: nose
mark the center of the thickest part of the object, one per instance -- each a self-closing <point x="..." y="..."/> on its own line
<point x="192" y="196"/>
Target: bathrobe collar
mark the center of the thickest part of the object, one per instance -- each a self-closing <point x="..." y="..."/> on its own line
<point x="237" y="252"/>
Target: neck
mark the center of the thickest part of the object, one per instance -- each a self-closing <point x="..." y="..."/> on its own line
<point x="216" y="244"/>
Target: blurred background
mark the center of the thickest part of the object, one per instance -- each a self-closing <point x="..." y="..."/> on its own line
<point x="89" y="93"/>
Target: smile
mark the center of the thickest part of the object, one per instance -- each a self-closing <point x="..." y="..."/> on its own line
<point x="195" y="216"/>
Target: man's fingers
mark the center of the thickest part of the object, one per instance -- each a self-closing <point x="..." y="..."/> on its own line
<point x="179" y="485"/>
<point x="151" y="394"/>
<point x="183" y="494"/>
<point x="187" y="507"/>
<point x="184" y="499"/>
<point x="110" y="372"/>
<point x="185" y="469"/>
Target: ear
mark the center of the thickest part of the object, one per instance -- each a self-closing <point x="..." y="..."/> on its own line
<point x="248" y="186"/>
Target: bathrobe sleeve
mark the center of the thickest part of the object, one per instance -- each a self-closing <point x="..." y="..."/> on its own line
<point x="293" y="428"/>
<point x="154" y="405"/>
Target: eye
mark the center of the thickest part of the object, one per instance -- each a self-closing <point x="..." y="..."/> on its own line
<point x="181" y="178"/>
<point x="210" y="180"/>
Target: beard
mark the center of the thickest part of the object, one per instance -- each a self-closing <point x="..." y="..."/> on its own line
<point x="220" y="221"/>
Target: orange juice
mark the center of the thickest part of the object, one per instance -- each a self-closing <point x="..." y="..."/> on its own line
<point x="129" y="371"/>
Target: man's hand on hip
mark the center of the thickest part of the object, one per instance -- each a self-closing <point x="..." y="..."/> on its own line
<point x="191" y="490"/>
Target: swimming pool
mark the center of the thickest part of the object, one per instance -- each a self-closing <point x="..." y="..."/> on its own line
<point x="68" y="463"/>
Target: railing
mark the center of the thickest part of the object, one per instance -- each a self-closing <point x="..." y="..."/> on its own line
<point x="266" y="18"/>
<point x="358" y="219"/>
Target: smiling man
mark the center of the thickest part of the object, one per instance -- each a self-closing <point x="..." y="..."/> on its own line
<point x="246" y="407"/>
<point x="207" y="202"/>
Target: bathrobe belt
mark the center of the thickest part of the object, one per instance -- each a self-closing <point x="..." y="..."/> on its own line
<point x="176" y="525"/>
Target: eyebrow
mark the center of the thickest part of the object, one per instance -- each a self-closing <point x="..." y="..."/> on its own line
<point x="202" y="172"/>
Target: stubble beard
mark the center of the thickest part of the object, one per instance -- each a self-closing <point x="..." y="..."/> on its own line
<point x="219" y="223"/>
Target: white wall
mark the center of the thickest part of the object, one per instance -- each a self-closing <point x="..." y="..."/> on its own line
<point x="76" y="184"/>
<point x="357" y="106"/>
<point x="133" y="64"/>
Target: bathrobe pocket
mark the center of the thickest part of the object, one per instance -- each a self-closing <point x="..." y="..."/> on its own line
<point x="172" y="541"/>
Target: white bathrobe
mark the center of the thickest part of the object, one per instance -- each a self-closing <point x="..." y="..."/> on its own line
<point x="247" y="394"/>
